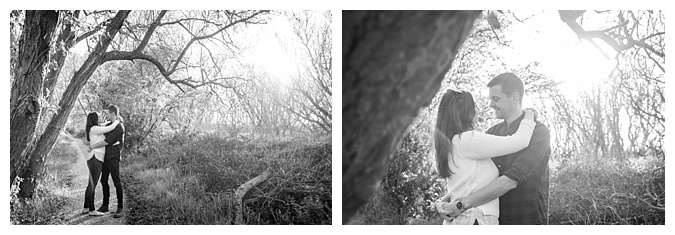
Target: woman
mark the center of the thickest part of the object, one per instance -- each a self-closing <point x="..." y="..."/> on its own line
<point x="94" y="134"/>
<point x="463" y="154"/>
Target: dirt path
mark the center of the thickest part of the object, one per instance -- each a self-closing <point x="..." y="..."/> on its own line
<point x="79" y="177"/>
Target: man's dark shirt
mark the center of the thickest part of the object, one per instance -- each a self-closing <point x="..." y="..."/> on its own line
<point x="117" y="134"/>
<point x="528" y="202"/>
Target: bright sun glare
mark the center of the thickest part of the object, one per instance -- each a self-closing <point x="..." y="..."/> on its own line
<point x="274" y="51"/>
<point x="574" y="62"/>
<point x="578" y="65"/>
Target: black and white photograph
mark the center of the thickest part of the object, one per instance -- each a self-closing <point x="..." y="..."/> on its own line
<point x="170" y="117"/>
<point x="503" y="117"/>
<point x="217" y="117"/>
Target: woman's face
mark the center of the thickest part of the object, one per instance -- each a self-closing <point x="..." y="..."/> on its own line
<point x="101" y="117"/>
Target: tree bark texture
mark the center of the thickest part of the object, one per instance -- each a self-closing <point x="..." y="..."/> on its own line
<point x="393" y="64"/>
<point x="64" y="41"/>
<point x="48" y="138"/>
<point x="26" y="92"/>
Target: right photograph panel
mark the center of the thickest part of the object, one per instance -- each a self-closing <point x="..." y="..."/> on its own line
<point x="502" y="117"/>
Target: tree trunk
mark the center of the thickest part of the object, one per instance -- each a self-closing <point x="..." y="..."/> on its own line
<point x="48" y="138"/>
<point x="26" y="92"/>
<point x="64" y="42"/>
<point x="393" y="64"/>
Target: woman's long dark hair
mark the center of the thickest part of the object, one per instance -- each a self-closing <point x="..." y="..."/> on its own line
<point x="455" y="115"/>
<point x="92" y="120"/>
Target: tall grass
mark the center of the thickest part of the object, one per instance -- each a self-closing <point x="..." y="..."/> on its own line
<point x="49" y="198"/>
<point x="581" y="192"/>
<point x="189" y="179"/>
<point x="379" y="211"/>
<point x="606" y="192"/>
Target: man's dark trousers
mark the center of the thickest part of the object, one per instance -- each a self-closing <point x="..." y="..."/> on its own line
<point x="111" y="166"/>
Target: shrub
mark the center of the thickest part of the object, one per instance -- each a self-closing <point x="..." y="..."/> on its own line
<point x="192" y="179"/>
<point x="411" y="183"/>
<point x="299" y="192"/>
<point x="379" y="210"/>
<point x="581" y="192"/>
<point x="607" y="193"/>
<point x="409" y="188"/>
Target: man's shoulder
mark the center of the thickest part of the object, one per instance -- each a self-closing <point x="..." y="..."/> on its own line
<point x="541" y="127"/>
<point x="493" y="128"/>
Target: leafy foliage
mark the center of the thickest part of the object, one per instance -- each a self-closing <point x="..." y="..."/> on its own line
<point x="411" y="183"/>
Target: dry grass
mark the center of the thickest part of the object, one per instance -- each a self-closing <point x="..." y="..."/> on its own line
<point x="50" y="197"/>
<point x="581" y="192"/>
<point x="608" y="193"/>
<point x="378" y="211"/>
<point x="192" y="179"/>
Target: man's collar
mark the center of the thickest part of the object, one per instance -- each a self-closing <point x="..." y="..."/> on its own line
<point x="518" y="120"/>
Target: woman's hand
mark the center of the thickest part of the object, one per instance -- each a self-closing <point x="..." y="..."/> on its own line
<point x="447" y="209"/>
<point x="530" y="113"/>
<point x="439" y="204"/>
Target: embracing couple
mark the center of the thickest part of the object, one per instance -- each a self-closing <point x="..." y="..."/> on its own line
<point x="106" y="139"/>
<point x="497" y="177"/>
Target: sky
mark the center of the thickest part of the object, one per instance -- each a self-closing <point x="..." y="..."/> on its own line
<point x="574" y="62"/>
<point x="272" y="49"/>
<point x="562" y="55"/>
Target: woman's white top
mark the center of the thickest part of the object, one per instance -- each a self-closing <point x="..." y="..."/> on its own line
<point x="96" y="135"/>
<point x="473" y="169"/>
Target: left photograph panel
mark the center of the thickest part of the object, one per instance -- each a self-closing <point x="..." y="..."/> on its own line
<point x="218" y="117"/>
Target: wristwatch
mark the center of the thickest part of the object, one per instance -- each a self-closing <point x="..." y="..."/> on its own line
<point x="460" y="205"/>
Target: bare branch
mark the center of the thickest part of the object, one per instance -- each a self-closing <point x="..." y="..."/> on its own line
<point x="658" y="64"/>
<point x="167" y="73"/>
<point x="605" y="35"/>
<point x="150" y="32"/>
<point x="123" y="55"/>
<point x="89" y="33"/>
<point x="180" y="21"/>
<point x="518" y="19"/>
<point x="194" y="39"/>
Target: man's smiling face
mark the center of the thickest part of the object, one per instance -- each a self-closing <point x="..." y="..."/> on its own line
<point x="502" y="103"/>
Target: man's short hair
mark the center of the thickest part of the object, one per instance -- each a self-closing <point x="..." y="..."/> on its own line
<point x="113" y="109"/>
<point x="510" y="84"/>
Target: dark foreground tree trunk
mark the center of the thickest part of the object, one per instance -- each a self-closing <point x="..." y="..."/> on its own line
<point x="393" y="64"/>
<point x="25" y="101"/>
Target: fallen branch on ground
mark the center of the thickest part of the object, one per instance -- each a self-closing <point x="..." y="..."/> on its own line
<point x="244" y="188"/>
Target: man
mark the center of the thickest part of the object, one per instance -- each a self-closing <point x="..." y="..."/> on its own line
<point x="114" y="140"/>
<point x="523" y="184"/>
